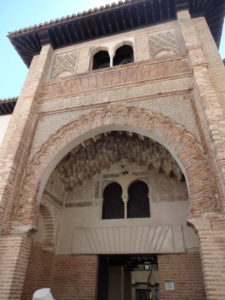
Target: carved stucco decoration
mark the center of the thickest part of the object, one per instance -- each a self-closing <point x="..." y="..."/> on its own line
<point x="128" y="74"/>
<point x="100" y="152"/>
<point x="55" y="188"/>
<point x="163" y="43"/>
<point x="64" y="64"/>
<point x="179" y="139"/>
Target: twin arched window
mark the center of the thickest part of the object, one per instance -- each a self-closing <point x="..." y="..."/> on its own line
<point x="123" y="55"/>
<point x="137" y="205"/>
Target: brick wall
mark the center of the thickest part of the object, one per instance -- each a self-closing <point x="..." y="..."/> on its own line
<point x="73" y="277"/>
<point x="70" y="277"/>
<point x="39" y="271"/>
<point x="14" y="255"/>
<point x="216" y="69"/>
<point x="185" y="271"/>
<point x="14" y="152"/>
<point x="213" y="256"/>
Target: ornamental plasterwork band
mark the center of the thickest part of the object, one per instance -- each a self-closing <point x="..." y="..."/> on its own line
<point x="128" y="74"/>
<point x="107" y="112"/>
<point x="64" y="64"/>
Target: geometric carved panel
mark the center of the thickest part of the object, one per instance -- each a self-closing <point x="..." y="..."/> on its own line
<point x="163" y="43"/>
<point x="64" y="64"/>
<point x="132" y="239"/>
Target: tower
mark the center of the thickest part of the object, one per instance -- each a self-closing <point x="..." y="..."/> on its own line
<point x="112" y="166"/>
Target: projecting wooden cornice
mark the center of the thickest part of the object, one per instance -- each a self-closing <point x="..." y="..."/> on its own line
<point x="112" y="19"/>
<point x="7" y="106"/>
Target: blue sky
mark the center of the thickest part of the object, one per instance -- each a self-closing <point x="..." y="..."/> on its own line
<point x="16" y="14"/>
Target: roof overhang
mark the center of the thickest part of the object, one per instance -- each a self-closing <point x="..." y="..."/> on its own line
<point x="113" y="19"/>
<point x="7" y="106"/>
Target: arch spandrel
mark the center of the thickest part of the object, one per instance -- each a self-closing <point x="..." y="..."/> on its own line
<point x="181" y="143"/>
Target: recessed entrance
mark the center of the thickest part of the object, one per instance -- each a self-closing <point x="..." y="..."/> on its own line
<point x="116" y="192"/>
<point x="128" y="277"/>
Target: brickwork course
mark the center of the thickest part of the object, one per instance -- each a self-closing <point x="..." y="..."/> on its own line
<point x="172" y="93"/>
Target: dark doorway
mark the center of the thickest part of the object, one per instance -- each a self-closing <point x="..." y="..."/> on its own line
<point x="128" y="277"/>
<point x="103" y="277"/>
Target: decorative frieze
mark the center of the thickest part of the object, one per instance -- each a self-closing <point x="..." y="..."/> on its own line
<point x="117" y="76"/>
<point x="79" y="204"/>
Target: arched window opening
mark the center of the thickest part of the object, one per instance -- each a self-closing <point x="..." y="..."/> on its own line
<point x="138" y="202"/>
<point x="124" y="55"/>
<point x="113" y="207"/>
<point x="101" y="60"/>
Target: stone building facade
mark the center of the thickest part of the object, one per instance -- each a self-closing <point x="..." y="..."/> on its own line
<point x="113" y="163"/>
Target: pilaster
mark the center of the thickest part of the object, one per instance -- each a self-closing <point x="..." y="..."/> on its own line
<point x="213" y="263"/>
<point x="14" y="151"/>
<point x="211" y="232"/>
<point x="210" y="226"/>
<point x="207" y="104"/>
<point x="142" y="52"/>
<point x="83" y="64"/>
<point x="14" y="253"/>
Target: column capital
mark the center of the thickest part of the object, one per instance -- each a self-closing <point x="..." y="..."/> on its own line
<point x="200" y="223"/>
<point x="23" y="229"/>
<point x="208" y="221"/>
